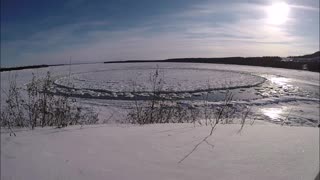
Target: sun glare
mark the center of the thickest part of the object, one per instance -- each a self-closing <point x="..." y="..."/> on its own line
<point x="278" y="13"/>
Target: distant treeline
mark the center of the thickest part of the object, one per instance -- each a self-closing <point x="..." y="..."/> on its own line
<point x="266" y="61"/>
<point x="314" y="55"/>
<point x="27" y="67"/>
<point x="255" y="61"/>
<point x="133" y="61"/>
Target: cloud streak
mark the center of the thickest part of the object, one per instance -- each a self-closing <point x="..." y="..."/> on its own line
<point x="307" y="8"/>
<point x="198" y="31"/>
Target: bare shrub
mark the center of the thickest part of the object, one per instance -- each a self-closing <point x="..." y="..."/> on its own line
<point x="4" y="117"/>
<point x="42" y="107"/>
<point x="152" y="110"/>
<point x="244" y="117"/>
<point x="90" y="117"/>
<point x="32" y="104"/>
<point x="194" y="115"/>
<point x="12" y="115"/>
<point x="160" y="109"/>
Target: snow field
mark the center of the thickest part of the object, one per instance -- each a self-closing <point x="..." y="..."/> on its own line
<point x="262" y="151"/>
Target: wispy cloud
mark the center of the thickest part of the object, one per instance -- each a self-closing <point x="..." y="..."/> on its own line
<point x="307" y="8"/>
<point x="211" y="8"/>
<point x="201" y="30"/>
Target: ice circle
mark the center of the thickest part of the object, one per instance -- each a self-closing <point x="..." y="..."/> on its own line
<point x="172" y="80"/>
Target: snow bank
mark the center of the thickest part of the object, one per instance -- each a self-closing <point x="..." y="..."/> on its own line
<point x="261" y="151"/>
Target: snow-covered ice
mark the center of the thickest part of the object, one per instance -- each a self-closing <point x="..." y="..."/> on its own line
<point x="110" y="85"/>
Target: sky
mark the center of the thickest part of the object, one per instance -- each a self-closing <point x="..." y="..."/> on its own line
<point x="53" y="32"/>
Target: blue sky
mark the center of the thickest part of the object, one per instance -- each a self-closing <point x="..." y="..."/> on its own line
<point x="50" y="32"/>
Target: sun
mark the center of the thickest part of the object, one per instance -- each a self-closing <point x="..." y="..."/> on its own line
<point x="278" y="13"/>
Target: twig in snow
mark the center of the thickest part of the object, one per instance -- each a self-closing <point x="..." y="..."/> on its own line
<point x="286" y="119"/>
<point x="196" y="147"/>
<point x="243" y="119"/>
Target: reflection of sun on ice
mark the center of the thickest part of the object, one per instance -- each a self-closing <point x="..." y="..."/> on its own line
<point x="279" y="80"/>
<point x="273" y="113"/>
<point x="278" y="13"/>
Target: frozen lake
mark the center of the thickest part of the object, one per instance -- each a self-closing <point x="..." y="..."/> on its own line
<point x="274" y="93"/>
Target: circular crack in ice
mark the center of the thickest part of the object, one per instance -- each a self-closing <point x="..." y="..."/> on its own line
<point x="172" y="80"/>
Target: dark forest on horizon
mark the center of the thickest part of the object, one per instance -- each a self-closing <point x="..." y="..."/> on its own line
<point x="308" y="62"/>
